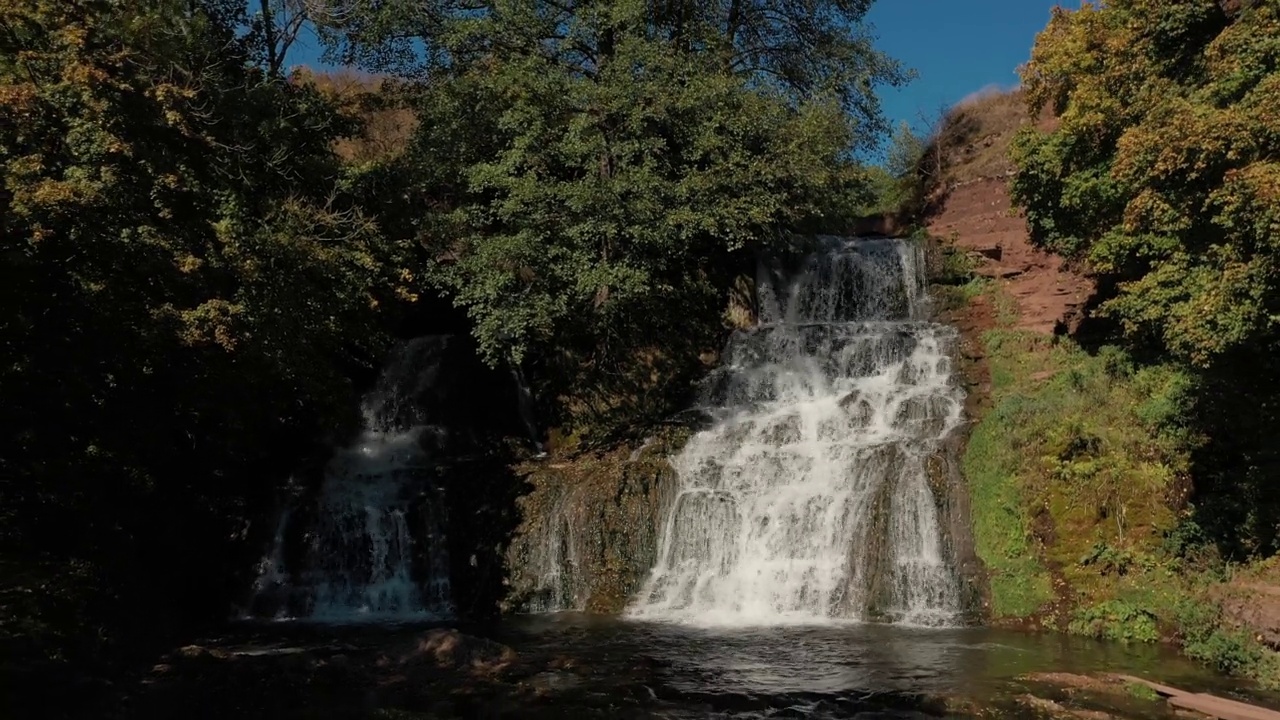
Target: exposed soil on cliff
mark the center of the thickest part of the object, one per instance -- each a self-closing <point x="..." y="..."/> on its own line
<point x="978" y="217"/>
<point x="970" y="209"/>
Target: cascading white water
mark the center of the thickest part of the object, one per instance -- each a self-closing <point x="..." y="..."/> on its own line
<point x="808" y="498"/>
<point x="374" y="548"/>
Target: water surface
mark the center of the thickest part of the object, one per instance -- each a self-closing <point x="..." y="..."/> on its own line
<point x="576" y="666"/>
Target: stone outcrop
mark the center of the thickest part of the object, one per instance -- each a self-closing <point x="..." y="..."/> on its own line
<point x="979" y="218"/>
<point x="589" y="526"/>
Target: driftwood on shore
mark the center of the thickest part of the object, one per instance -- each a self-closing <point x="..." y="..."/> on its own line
<point x="1211" y="705"/>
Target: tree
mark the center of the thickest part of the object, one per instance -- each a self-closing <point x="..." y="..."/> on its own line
<point x="1162" y="173"/>
<point x="588" y="166"/>
<point x="280" y="23"/>
<point x="1163" y="178"/>
<point x="186" y="291"/>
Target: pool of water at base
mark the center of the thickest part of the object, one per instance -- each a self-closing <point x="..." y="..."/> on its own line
<point x="579" y="666"/>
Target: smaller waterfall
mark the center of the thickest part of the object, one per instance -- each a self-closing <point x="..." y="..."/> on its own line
<point x="273" y="576"/>
<point x="554" y="559"/>
<point x="524" y="404"/>
<point x="361" y="555"/>
<point x="372" y="546"/>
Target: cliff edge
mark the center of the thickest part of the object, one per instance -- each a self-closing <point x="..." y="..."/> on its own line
<point x="969" y="209"/>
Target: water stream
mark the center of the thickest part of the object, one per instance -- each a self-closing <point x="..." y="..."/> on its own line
<point x="372" y="541"/>
<point x="809" y="498"/>
<point x="569" y="665"/>
<point x="810" y="504"/>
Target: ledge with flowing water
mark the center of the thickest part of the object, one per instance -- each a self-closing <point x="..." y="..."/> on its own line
<point x="816" y="493"/>
<point x="810" y="497"/>
<point x="385" y="535"/>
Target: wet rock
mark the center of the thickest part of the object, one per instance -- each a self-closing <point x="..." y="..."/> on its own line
<point x="1048" y="708"/>
<point x="693" y="418"/>
<point x="200" y="652"/>
<point x="783" y="431"/>
<point x="925" y="415"/>
<point x="858" y="409"/>
<point x="1075" y="681"/>
<point x="450" y="649"/>
<point x="590" y="526"/>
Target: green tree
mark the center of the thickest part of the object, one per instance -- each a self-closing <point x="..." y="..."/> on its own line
<point x="1162" y="174"/>
<point x="186" y="289"/>
<point x="599" y="171"/>
<point x="1163" y="178"/>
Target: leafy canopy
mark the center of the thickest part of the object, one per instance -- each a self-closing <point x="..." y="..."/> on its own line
<point x="1164" y="175"/>
<point x="603" y="162"/>
<point x="185" y="289"/>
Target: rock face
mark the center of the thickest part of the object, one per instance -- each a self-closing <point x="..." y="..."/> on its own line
<point x="1251" y="602"/>
<point x="952" y="496"/>
<point x="971" y="210"/>
<point x="451" y="650"/>
<point x="979" y="217"/>
<point x="589" y="528"/>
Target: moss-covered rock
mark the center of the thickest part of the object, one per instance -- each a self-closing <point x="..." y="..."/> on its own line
<point x="590" y="526"/>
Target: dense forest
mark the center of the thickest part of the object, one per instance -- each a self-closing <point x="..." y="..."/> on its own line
<point x="206" y="253"/>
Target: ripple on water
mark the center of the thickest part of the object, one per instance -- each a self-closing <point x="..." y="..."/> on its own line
<point x="572" y="666"/>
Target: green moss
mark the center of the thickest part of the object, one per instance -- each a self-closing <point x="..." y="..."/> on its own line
<point x="1074" y="474"/>
<point x="1142" y="692"/>
<point x="1019" y="584"/>
<point x="952" y="297"/>
<point x="1082" y="442"/>
<point x="1115" y="620"/>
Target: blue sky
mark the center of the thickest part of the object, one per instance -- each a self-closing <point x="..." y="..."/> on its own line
<point x="958" y="47"/>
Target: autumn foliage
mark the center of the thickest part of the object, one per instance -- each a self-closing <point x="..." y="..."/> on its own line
<point x="1163" y="180"/>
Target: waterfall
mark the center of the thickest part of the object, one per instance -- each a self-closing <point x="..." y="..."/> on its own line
<point x="524" y="397"/>
<point x="372" y="544"/>
<point x="809" y="498"/>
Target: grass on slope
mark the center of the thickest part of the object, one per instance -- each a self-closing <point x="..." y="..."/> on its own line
<point x="1078" y="476"/>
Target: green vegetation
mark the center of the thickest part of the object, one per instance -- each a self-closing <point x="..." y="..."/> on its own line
<point x="1163" y="179"/>
<point x="595" y="165"/>
<point x="1206" y="637"/>
<point x="1070" y="470"/>
<point x="204" y="257"/>
<point x="1079" y="475"/>
<point x="952" y="275"/>
<point x="898" y="187"/>
<point x="1122" y="482"/>
<point x="1019" y="584"/>
<point x="1115" y="620"/>
<point x="189" y="288"/>
<point x="1142" y="692"/>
